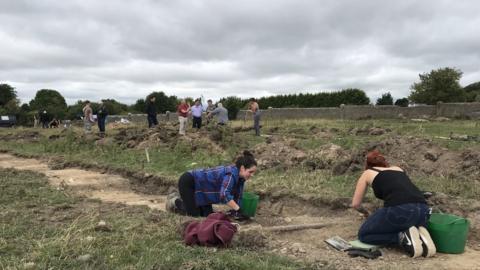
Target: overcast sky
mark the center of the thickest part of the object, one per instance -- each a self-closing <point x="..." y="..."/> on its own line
<point x="92" y="49"/>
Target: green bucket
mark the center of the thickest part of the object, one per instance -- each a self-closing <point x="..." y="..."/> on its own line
<point x="249" y="204"/>
<point x="448" y="232"/>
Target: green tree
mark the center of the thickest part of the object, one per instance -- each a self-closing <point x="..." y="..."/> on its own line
<point x="115" y="107"/>
<point x="163" y="102"/>
<point x="472" y="92"/>
<point x="352" y="96"/>
<point x="233" y="105"/>
<point x="51" y="101"/>
<point x="12" y="106"/>
<point x="386" y="99"/>
<point x="25" y="115"/>
<point x="139" y="106"/>
<point x="7" y="93"/>
<point x="402" y="102"/>
<point x="75" y="111"/>
<point x="438" y="85"/>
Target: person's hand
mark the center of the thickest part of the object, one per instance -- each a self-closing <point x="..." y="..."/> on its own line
<point x="237" y="215"/>
<point x="363" y="211"/>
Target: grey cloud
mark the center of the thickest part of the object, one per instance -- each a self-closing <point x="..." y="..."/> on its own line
<point x="125" y="49"/>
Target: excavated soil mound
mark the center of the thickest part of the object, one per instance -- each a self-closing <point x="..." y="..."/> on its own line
<point x="417" y="155"/>
<point x="166" y="134"/>
<point x="29" y="136"/>
<point x="278" y="152"/>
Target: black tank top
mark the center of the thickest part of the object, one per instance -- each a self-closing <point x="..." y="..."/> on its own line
<point x="395" y="187"/>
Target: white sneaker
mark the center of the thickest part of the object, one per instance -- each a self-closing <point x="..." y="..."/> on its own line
<point x="428" y="245"/>
<point x="411" y="243"/>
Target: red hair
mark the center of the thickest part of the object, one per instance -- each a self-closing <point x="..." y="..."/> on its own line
<point x="375" y="159"/>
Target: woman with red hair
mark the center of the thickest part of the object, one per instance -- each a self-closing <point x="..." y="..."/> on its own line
<point x="403" y="218"/>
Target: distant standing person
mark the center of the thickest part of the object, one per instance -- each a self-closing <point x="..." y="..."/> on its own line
<point x="152" y="112"/>
<point x="102" y="116"/>
<point x="44" y="119"/>
<point x="87" y="117"/>
<point x="35" y="121"/>
<point x="182" y="111"/>
<point x="210" y="108"/>
<point x="221" y="113"/>
<point x="253" y="106"/>
<point x="197" y="110"/>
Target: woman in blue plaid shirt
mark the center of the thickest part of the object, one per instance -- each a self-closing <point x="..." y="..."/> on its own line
<point x="201" y="188"/>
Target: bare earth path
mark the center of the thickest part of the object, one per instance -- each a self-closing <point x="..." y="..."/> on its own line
<point x="106" y="187"/>
<point x="305" y="244"/>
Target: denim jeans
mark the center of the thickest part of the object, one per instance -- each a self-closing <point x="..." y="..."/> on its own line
<point x="383" y="226"/>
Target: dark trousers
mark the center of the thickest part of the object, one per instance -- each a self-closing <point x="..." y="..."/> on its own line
<point x="197" y="122"/>
<point x="152" y="120"/>
<point x="101" y="124"/>
<point x="45" y="124"/>
<point x="186" y="187"/>
<point x="256" y="123"/>
<point x="383" y="226"/>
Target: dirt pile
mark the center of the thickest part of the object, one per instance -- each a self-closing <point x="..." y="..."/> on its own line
<point x="369" y="130"/>
<point x="278" y="152"/>
<point x="29" y="136"/>
<point x="416" y="155"/>
<point x="325" y="157"/>
<point x="166" y="134"/>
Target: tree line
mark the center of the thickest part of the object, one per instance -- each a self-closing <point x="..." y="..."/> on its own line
<point x="442" y="84"/>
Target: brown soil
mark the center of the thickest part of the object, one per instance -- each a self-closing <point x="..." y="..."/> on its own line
<point x="106" y="187"/>
<point x="278" y="152"/>
<point x="166" y="134"/>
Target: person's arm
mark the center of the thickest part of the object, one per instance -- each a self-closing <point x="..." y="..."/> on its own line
<point x="226" y="191"/>
<point x="360" y="190"/>
<point x="217" y="110"/>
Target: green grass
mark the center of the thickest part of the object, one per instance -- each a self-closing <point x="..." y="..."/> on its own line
<point x="52" y="230"/>
<point x="172" y="161"/>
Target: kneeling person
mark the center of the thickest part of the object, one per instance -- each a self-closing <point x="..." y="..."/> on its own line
<point x="404" y="216"/>
<point x="201" y="188"/>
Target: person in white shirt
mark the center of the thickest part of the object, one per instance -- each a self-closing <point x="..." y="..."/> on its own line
<point x="197" y="110"/>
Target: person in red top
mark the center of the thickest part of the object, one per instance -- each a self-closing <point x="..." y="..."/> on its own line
<point x="182" y="111"/>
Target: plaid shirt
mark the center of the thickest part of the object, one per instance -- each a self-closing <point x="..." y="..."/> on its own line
<point x="217" y="185"/>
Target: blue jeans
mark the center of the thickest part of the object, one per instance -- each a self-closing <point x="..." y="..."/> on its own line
<point x="383" y="226"/>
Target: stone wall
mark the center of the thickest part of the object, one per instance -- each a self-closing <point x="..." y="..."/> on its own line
<point x="354" y="112"/>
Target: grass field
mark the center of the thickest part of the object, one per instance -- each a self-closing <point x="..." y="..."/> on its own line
<point x="57" y="229"/>
<point x="172" y="161"/>
<point x="44" y="228"/>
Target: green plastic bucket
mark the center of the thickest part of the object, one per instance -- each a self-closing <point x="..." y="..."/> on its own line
<point x="448" y="232"/>
<point x="249" y="204"/>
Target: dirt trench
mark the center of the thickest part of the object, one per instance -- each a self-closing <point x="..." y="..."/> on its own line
<point x="306" y="245"/>
<point x="103" y="186"/>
